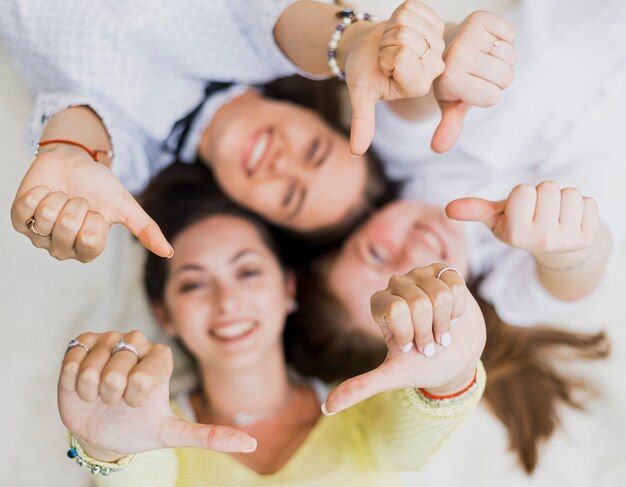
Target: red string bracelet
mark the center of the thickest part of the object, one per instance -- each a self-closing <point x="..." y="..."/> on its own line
<point x="450" y="396"/>
<point x="92" y="153"/>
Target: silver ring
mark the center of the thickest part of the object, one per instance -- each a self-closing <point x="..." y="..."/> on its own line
<point x="446" y="269"/>
<point x="31" y="226"/>
<point x="75" y="343"/>
<point x="496" y="43"/>
<point x="122" y="345"/>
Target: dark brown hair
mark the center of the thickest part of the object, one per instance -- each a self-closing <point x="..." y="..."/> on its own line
<point x="178" y="197"/>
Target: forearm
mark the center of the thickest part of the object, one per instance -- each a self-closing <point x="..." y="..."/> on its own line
<point x="414" y="427"/>
<point x="570" y="276"/>
<point x="79" y="124"/>
<point x="303" y="32"/>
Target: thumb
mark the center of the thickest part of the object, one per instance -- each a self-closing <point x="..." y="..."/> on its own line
<point x="355" y="390"/>
<point x="178" y="433"/>
<point x="363" y="102"/>
<point x="476" y="210"/>
<point x="134" y="217"/>
<point x="450" y="126"/>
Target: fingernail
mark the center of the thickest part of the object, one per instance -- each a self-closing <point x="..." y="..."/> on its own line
<point x="325" y="411"/>
<point x="171" y="252"/>
<point x="453" y="322"/>
<point x="446" y="339"/>
<point x="429" y="350"/>
<point x="407" y="348"/>
<point x="252" y="448"/>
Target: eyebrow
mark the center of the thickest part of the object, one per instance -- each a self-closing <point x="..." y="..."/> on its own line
<point x="199" y="268"/>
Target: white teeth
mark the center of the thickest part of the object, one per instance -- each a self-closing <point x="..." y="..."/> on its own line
<point x="233" y="331"/>
<point x="432" y="240"/>
<point x="257" y="151"/>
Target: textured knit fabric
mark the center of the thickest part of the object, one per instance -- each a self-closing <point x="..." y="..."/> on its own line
<point x="366" y="445"/>
<point x="141" y="65"/>
<point x="562" y="119"/>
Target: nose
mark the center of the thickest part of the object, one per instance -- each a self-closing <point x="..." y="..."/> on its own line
<point x="286" y="162"/>
<point x="225" y="298"/>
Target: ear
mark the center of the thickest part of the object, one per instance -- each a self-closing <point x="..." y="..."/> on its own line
<point x="162" y="316"/>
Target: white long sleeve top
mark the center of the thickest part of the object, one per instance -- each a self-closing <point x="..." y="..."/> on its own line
<point x="563" y="119"/>
<point x="141" y="65"/>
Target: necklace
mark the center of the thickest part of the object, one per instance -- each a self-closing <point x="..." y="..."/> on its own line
<point x="246" y="418"/>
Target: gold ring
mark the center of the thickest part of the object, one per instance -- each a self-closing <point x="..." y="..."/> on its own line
<point x="426" y="51"/>
<point x="493" y="48"/>
<point x="31" y="226"/>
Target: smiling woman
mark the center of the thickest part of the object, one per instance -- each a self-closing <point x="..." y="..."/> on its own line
<point x="226" y="295"/>
<point x="282" y="156"/>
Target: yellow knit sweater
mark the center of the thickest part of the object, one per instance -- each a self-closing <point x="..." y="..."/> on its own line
<point x="366" y="445"/>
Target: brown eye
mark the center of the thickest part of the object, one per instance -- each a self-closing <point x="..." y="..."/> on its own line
<point x="312" y="149"/>
<point x="376" y="255"/>
<point x="291" y="191"/>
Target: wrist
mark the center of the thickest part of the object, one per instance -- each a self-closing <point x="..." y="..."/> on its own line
<point x="352" y="37"/>
<point x="460" y="384"/>
<point x="98" y="453"/>
<point x="561" y="261"/>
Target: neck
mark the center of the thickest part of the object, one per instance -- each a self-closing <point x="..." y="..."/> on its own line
<point x="263" y="386"/>
<point x="205" y="146"/>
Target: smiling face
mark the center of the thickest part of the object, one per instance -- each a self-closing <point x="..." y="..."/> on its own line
<point x="226" y="296"/>
<point x="283" y="162"/>
<point x="399" y="237"/>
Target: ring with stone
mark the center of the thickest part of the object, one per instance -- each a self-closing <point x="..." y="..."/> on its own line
<point x="31" y="226"/>
<point x="123" y="345"/>
<point x="496" y="43"/>
<point x="75" y="343"/>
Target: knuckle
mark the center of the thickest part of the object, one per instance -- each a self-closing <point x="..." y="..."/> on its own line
<point x="420" y="307"/>
<point x="396" y="280"/>
<point x="403" y="14"/>
<point x="548" y="185"/>
<point x="89" y="377"/>
<point x="140" y="381"/>
<point x="69" y="368"/>
<point x="403" y="35"/>
<point x="135" y="336"/>
<point x="492" y="96"/>
<point x="68" y="222"/>
<point x="442" y="298"/>
<point x="114" y="381"/>
<point x="162" y="349"/>
<point x="571" y="192"/>
<point x="89" y="240"/>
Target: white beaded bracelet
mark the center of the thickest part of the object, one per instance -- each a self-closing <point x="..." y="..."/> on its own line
<point x="347" y="17"/>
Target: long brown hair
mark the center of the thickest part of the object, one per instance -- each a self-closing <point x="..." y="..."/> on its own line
<point x="525" y="386"/>
<point x="525" y="382"/>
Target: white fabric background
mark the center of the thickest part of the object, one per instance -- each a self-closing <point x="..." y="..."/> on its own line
<point x="44" y="303"/>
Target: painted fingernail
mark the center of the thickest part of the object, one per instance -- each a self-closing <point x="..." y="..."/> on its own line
<point x="407" y="348"/>
<point x="325" y="411"/>
<point x="446" y="339"/>
<point x="429" y="350"/>
<point x="453" y="322"/>
<point x="252" y="448"/>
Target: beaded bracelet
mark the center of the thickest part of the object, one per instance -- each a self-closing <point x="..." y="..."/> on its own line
<point x="94" y="466"/>
<point x="347" y="17"/>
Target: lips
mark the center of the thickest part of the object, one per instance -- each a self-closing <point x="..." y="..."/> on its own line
<point x="233" y="331"/>
<point x="256" y="151"/>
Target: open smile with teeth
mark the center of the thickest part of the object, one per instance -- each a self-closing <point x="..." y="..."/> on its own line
<point x="432" y="240"/>
<point x="233" y="331"/>
<point x="258" y="151"/>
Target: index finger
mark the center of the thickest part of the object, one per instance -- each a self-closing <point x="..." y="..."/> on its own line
<point x="421" y="10"/>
